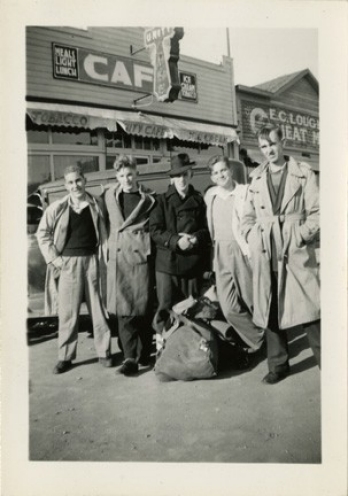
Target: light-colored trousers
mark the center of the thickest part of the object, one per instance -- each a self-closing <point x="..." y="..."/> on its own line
<point x="79" y="276"/>
<point x="234" y="290"/>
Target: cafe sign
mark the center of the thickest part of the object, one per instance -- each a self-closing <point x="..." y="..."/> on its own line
<point x="103" y="69"/>
<point x="163" y="47"/>
<point x="300" y="129"/>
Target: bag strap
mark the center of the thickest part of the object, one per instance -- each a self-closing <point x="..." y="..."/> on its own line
<point x="198" y="325"/>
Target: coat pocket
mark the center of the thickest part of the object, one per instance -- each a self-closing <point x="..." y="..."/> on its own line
<point x="134" y="247"/>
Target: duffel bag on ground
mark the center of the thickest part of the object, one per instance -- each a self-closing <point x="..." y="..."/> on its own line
<point x="190" y="352"/>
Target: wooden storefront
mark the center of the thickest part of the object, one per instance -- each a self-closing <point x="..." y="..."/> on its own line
<point x="292" y="102"/>
<point x="89" y="99"/>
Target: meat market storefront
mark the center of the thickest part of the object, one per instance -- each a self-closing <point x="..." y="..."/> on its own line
<point x="292" y="102"/>
<point x="89" y="100"/>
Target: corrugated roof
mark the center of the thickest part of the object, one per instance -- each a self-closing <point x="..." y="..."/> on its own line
<point x="276" y="84"/>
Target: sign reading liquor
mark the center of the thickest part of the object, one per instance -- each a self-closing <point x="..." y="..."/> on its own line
<point x="163" y="45"/>
<point x="188" y="83"/>
<point x="301" y="130"/>
<point x="103" y="69"/>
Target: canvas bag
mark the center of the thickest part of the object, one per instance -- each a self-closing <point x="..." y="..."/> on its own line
<point x="189" y="352"/>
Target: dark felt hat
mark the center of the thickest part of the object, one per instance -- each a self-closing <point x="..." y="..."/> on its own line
<point x="179" y="164"/>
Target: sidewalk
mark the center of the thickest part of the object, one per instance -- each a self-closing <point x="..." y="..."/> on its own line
<point x="96" y="414"/>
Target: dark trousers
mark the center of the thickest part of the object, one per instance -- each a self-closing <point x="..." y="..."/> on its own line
<point x="135" y="334"/>
<point x="171" y="290"/>
<point x="277" y="342"/>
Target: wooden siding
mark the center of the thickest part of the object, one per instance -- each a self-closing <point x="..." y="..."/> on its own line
<point x="300" y="96"/>
<point x="213" y="80"/>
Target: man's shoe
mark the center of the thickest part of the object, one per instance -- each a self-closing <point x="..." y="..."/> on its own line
<point x="105" y="361"/>
<point x="129" y="367"/>
<point x="145" y="361"/>
<point x="62" y="367"/>
<point x="274" y="377"/>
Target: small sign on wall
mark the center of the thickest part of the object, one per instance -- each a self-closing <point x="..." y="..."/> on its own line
<point x="65" y="62"/>
<point x="188" y="83"/>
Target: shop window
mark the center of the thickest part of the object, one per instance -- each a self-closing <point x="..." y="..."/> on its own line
<point x="88" y="163"/>
<point x="37" y="137"/>
<point x="62" y="137"/>
<point x="118" y="140"/>
<point x="141" y="160"/>
<point x="38" y="171"/>
<point x="141" y="143"/>
<point x="110" y="160"/>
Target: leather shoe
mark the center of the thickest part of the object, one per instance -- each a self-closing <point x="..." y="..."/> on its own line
<point x="129" y="367"/>
<point x="105" y="361"/>
<point x="274" y="377"/>
<point x="62" y="367"/>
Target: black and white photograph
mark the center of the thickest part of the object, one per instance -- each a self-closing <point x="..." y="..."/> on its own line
<point x="178" y="301"/>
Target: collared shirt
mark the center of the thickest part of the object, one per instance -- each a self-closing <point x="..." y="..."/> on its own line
<point x="225" y="193"/>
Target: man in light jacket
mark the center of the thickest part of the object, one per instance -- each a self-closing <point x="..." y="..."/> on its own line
<point x="72" y="239"/>
<point x="225" y="202"/>
<point x="280" y="223"/>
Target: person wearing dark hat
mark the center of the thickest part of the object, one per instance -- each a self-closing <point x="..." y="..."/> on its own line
<point x="179" y="230"/>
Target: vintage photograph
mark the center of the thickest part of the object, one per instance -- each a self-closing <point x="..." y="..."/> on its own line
<point x="174" y="256"/>
<point x="172" y="240"/>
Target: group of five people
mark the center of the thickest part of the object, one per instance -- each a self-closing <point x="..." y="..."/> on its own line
<point x="114" y="250"/>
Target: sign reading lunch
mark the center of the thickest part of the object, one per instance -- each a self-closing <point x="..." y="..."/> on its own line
<point x="65" y="62"/>
<point x="103" y="69"/>
<point x="163" y="46"/>
<point x="299" y="128"/>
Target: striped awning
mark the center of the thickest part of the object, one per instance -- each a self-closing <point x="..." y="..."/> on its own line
<point x="135" y="123"/>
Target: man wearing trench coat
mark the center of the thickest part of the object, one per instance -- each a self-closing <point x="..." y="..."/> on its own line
<point x="280" y="222"/>
<point x="129" y="279"/>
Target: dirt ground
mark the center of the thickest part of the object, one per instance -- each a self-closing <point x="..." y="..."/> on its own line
<point x="95" y="414"/>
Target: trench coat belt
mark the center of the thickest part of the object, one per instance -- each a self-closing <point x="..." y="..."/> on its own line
<point x="276" y="221"/>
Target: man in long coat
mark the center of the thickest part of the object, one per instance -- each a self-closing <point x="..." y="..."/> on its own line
<point x="129" y="281"/>
<point x="280" y="223"/>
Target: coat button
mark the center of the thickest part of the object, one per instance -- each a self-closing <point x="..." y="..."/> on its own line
<point x="118" y="249"/>
<point x="263" y="251"/>
<point x="262" y="206"/>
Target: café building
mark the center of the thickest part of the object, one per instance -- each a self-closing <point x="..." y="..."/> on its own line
<point x="89" y="98"/>
<point x="292" y="102"/>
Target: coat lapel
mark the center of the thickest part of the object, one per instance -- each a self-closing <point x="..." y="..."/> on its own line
<point x="264" y="191"/>
<point x="292" y="184"/>
<point x="143" y="206"/>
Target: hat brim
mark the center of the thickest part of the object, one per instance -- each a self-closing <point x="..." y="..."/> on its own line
<point x="180" y="170"/>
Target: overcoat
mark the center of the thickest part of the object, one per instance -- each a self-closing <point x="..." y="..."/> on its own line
<point x="171" y="216"/>
<point x="293" y="230"/>
<point x="129" y="248"/>
<point x="51" y="236"/>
